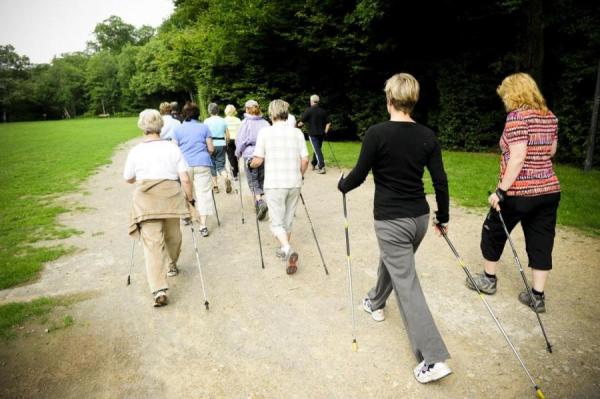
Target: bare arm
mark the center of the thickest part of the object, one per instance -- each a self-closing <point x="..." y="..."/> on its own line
<point x="256" y="162"/>
<point x="209" y="145"/>
<point x="303" y="165"/>
<point x="186" y="184"/>
<point x="227" y="137"/>
<point x="554" y="147"/>
<point x="327" y="127"/>
<point x="518" y="152"/>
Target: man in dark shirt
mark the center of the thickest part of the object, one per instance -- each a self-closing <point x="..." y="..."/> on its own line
<point x="318" y="122"/>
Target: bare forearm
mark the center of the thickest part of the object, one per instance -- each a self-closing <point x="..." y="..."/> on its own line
<point x="303" y="165"/>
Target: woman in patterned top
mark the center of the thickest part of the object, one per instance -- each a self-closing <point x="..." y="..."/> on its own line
<point x="528" y="190"/>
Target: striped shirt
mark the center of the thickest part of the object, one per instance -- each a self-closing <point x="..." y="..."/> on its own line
<point x="539" y="131"/>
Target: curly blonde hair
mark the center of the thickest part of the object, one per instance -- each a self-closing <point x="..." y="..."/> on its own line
<point x="519" y="90"/>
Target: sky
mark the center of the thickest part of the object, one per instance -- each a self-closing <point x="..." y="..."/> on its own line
<point x="41" y="29"/>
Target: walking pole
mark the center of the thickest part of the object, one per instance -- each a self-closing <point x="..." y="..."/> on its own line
<point x="131" y="263"/>
<point x="462" y="264"/>
<point x="354" y="343"/>
<point x="215" y="204"/>
<point x="199" y="266"/>
<point x="514" y="251"/>
<point x="314" y="234"/>
<point x="262" y="261"/>
<point x="240" y="191"/>
<point x="333" y="155"/>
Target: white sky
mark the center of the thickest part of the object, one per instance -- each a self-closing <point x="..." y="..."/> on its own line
<point x="41" y="29"/>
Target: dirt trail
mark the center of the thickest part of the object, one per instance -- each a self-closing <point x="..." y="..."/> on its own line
<point x="268" y="335"/>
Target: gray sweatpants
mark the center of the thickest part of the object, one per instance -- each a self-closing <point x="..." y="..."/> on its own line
<point x="398" y="241"/>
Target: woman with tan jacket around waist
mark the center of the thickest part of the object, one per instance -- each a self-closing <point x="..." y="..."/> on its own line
<point x="162" y="196"/>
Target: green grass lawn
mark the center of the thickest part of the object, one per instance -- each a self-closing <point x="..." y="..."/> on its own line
<point x="472" y="175"/>
<point x="41" y="161"/>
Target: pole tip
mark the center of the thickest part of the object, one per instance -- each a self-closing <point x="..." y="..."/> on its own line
<point x="206" y="304"/>
<point x="539" y="394"/>
<point x="128" y="280"/>
<point x="549" y="348"/>
<point x="354" y="345"/>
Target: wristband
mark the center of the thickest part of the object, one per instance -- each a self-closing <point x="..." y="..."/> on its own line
<point x="501" y="194"/>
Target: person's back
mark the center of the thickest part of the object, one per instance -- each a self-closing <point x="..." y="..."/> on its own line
<point x="191" y="139"/>
<point x="316" y="118"/>
<point x="217" y="127"/>
<point x="401" y="151"/>
<point x="153" y="160"/>
<point x="233" y="124"/>
<point x="283" y="148"/>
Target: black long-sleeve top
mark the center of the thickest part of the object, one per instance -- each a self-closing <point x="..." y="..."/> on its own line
<point x="398" y="153"/>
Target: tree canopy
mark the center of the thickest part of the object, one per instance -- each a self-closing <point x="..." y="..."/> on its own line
<point x="229" y="51"/>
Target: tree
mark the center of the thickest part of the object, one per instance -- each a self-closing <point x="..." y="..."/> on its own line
<point x="14" y="73"/>
<point x="112" y="34"/>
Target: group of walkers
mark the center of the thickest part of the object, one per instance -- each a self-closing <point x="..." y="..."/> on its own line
<point x="396" y="151"/>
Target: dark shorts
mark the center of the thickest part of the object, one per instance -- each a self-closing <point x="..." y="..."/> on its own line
<point x="538" y="220"/>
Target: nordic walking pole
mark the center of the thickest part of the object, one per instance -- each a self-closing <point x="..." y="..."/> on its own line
<point x="216" y="210"/>
<point x="514" y="251"/>
<point x="240" y="190"/>
<point x="131" y="263"/>
<point x="333" y="155"/>
<point x="462" y="264"/>
<point x="314" y="234"/>
<point x="262" y="261"/>
<point x="199" y="266"/>
<point x="354" y="343"/>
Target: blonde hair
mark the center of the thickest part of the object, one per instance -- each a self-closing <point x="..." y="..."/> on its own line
<point x="519" y="90"/>
<point x="150" y="121"/>
<point x="278" y="110"/>
<point x="314" y="99"/>
<point x="402" y="92"/>
<point x="165" y="108"/>
<point x="229" y="110"/>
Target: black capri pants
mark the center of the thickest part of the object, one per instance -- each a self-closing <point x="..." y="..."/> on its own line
<point x="538" y="220"/>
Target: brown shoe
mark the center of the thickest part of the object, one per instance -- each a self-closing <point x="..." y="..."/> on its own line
<point x="216" y="189"/>
<point x="292" y="263"/>
<point x="228" y="186"/>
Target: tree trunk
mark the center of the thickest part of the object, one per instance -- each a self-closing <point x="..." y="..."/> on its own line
<point x="589" y="159"/>
<point x="534" y="59"/>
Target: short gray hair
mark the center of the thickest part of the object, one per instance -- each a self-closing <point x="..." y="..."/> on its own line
<point x="278" y="110"/>
<point x="150" y="121"/>
<point x="314" y="99"/>
<point x="213" y="109"/>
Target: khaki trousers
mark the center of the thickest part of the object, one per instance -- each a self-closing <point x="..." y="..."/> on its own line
<point x="162" y="244"/>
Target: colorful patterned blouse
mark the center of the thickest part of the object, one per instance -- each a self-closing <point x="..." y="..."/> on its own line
<point x="539" y="131"/>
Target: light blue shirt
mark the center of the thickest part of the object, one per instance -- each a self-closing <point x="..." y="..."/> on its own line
<point x="191" y="138"/>
<point x="217" y="126"/>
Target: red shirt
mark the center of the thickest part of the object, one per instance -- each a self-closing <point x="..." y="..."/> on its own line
<point x="539" y="131"/>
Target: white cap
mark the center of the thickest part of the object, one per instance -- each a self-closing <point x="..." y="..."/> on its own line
<point x="251" y="103"/>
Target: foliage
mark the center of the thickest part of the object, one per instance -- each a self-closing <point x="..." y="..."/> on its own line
<point x="42" y="160"/>
<point x="227" y="51"/>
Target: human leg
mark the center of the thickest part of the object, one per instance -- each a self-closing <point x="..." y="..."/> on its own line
<point x="397" y="240"/>
<point x="156" y="257"/>
<point x="173" y="243"/>
<point x="233" y="161"/>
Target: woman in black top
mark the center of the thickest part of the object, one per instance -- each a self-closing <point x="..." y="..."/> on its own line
<point x="397" y="151"/>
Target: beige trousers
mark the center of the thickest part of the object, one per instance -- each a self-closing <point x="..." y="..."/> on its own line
<point x="202" y="183"/>
<point x="162" y="244"/>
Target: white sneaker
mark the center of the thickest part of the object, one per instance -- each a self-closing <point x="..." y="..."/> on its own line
<point x="424" y="373"/>
<point x="377" y="315"/>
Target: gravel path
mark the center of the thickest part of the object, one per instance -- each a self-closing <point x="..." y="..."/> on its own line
<point x="269" y="335"/>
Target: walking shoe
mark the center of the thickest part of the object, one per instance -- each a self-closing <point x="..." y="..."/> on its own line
<point x="173" y="271"/>
<point x="292" y="262"/>
<point x="204" y="231"/>
<point x="262" y="209"/>
<point x="227" y="186"/>
<point x="376" y="314"/>
<point x="321" y="171"/>
<point x="280" y="253"/>
<point x="538" y="301"/>
<point x="425" y="373"/>
<point x="314" y="167"/>
<point x="485" y="284"/>
<point x="186" y="221"/>
<point x="216" y="189"/>
<point x="160" y="298"/>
